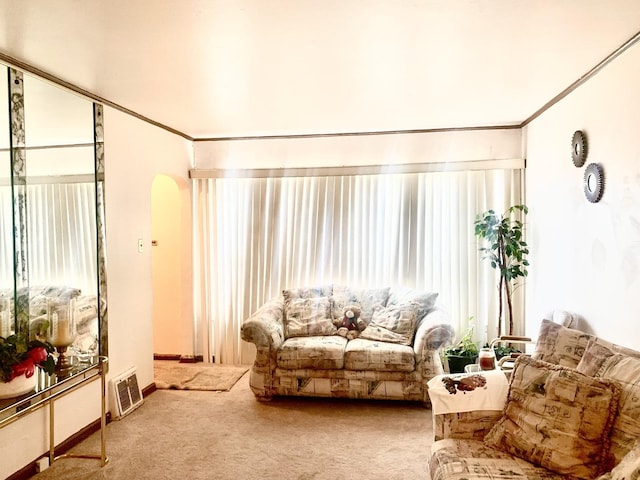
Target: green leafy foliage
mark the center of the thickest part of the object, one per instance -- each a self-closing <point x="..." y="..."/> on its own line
<point x="466" y="347"/>
<point x="504" y="247"/>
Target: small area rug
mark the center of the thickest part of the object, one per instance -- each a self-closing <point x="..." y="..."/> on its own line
<point x="196" y="376"/>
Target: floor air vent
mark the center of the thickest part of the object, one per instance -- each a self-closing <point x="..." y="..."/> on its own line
<point x="126" y="393"/>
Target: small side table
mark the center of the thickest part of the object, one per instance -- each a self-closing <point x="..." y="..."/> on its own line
<point x="48" y="390"/>
<point x="465" y="405"/>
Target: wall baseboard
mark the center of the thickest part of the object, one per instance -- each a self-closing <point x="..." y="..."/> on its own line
<point x="191" y="358"/>
<point x="178" y="358"/>
<point x="166" y="356"/>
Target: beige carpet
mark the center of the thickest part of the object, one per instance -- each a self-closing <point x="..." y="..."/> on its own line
<point x="196" y="376"/>
<point x="196" y="435"/>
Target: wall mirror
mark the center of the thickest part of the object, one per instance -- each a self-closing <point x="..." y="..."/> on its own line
<point x="593" y="182"/>
<point x="52" y="250"/>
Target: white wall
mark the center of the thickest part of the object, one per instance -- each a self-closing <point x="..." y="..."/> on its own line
<point x="429" y="147"/>
<point x="173" y="327"/>
<point x="134" y="153"/>
<point x="586" y="257"/>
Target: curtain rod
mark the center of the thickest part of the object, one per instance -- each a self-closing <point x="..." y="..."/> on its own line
<point x="403" y="168"/>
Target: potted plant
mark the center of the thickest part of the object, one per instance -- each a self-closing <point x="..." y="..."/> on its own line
<point x="500" y="350"/>
<point x="506" y="249"/>
<point x="463" y="353"/>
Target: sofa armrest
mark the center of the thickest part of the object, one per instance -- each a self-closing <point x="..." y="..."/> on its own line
<point x="265" y="328"/>
<point x="434" y="331"/>
<point x="472" y="425"/>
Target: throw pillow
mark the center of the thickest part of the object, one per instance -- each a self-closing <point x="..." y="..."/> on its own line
<point x="304" y="317"/>
<point x="307" y="292"/>
<point x="557" y="418"/>
<point x="368" y="299"/>
<point x="560" y="345"/>
<point x="395" y="324"/>
<point x="628" y="468"/>
<point x="424" y="301"/>
<point x="602" y="362"/>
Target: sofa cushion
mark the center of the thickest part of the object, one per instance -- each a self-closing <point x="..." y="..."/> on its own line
<point x="322" y="352"/>
<point x="453" y="459"/>
<point x="394" y="324"/>
<point x="305" y="317"/>
<point x="361" y="354"/>
<point x="557" y="418"/>
<point x="600" y="361"/>
<point x="560" y="345"/>
<point x="628" y="468"/>
<point x="369" y="300"/>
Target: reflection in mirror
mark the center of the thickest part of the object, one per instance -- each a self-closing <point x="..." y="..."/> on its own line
<point x="6" y="222"/>
<point x="52" y="234"/>
<point x="61" y="215"/>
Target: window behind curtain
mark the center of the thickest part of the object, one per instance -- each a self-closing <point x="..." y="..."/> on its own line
<point x="61" y="235"/>
<point x="257" y="236"/>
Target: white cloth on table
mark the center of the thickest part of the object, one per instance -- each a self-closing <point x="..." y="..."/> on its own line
<point x="446" y="397"/>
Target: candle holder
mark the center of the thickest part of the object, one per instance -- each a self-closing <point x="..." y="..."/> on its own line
<point x="62" y="332"/>
<point x="487" y="359"/>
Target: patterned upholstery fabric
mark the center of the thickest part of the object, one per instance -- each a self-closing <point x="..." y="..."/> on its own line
<point x="560" y="345"/>
<point x="557" y="418"/>
<point x="362" y="354"/>
<point x="307" y="292"/>
<point x="310" y="366"/>
<point x="369" y="300"/>
<point x="602" y="362"/>
<point x="472" y="425"/>
<point x="423" y="301"/>
<point x="628" y="468"/>
<point x="304" y="317"/>
<point x="326" y="352"/>
<point x="454" y="459"/>
<point x="394" y="324"/>
<point x="464" y="453"/>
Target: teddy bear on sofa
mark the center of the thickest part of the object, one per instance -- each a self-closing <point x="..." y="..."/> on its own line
<point x="351" y="324"/>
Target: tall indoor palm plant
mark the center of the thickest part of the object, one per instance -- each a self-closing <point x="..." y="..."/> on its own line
<point x="506" y="249"/>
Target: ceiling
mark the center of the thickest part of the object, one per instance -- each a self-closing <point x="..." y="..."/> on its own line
<point x="227" y="68"/>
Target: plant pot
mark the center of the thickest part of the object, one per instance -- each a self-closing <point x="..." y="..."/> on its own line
<point x="18" y="386"/>
<point x="458" y="362"/>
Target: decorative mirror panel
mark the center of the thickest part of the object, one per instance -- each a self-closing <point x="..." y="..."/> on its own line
<point x="52" y="250"/>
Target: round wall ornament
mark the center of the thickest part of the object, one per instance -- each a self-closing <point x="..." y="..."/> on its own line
<point x="594" y="182"/>
<point x="579" y="148"/>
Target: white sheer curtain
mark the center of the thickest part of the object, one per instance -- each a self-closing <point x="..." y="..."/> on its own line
<point x="6" y="237"/>
<point x="257" y="236"/>
<point x="61" y="235"/>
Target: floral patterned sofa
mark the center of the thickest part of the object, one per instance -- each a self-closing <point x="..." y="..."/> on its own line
<point x="572" y="410"/>
<point x="298" y="350"/>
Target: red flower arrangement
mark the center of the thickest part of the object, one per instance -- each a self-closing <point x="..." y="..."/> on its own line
<point x="19" y="357"/>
